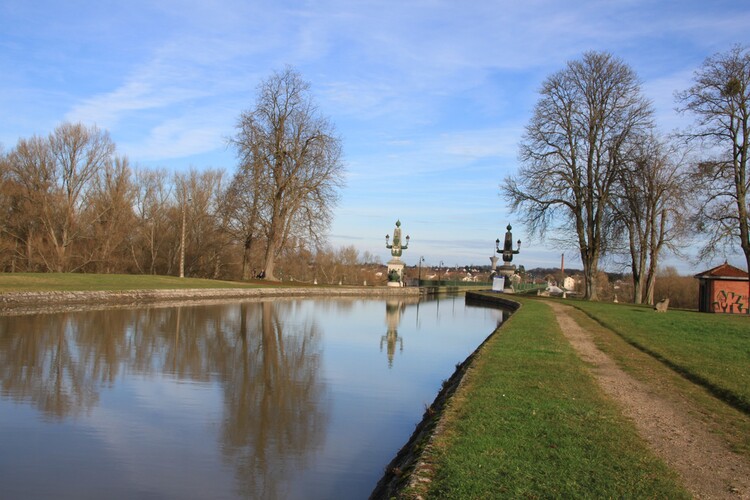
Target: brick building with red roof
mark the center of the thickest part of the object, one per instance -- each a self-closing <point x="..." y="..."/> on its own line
<point x="724" y="289"/>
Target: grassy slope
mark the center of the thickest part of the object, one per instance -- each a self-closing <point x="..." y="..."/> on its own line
<point x="42" y="282"/>
<point x="531" y="422"/>
<point x="710" y="349"/>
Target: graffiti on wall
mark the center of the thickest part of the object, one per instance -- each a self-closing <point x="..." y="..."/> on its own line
<point x="730" y="302"/>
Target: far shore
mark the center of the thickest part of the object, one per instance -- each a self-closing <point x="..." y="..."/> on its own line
<point x="48" y="300"/>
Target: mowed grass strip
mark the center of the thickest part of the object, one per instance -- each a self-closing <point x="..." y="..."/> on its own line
<point x="531" y="422"/>
<point x="59" y="282"/>
<point x="710" y="349"/>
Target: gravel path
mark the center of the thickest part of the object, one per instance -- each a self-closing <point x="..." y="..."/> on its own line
<point x="709" y="469"/>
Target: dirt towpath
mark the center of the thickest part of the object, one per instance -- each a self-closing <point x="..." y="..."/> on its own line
<point x="709" y="469"/>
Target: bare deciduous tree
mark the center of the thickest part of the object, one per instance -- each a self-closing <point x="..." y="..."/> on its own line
<point x="571" y="153"/>
<point x="241" y="210"/>
<point x="720" y="100"/>
<point x="56" y="175"/>
<point x="152" y="198"/>
<point x="198" y="194"/>
<point x="31" y="187"/>
<point x="79" y="152"/>
<point x="649" y="208"/>
<point x="290" y="158"/>
<point x="111" y="205"/>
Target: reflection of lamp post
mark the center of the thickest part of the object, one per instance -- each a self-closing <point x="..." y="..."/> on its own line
<point x="182" y="239"/>
<point x="393" y="310"/>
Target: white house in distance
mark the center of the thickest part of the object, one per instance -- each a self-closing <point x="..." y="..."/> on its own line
<point x="569" y="283"/>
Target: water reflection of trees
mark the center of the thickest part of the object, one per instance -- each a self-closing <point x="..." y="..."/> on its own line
<point x="275" y="397"/>
<point x="58" y="362"/>
<point x="266" y="364"/>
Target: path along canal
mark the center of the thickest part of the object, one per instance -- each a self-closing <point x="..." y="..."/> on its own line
<point x="286" y="398"/>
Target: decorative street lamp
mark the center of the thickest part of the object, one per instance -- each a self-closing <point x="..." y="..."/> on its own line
<point x="507" y="269"/>
<point x="396" y="265"/>
<point x="419" y="279"/>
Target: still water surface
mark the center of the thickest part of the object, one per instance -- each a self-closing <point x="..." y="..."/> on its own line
<point x="282" y="399"/>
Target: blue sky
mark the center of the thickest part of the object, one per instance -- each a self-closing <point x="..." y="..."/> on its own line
<point x="430" y="97"/>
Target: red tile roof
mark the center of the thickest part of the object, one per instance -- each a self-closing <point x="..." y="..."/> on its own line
<point x="723" y="271"/>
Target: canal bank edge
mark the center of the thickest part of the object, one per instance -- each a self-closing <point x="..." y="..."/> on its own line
<point x="409" y="469"/>
<point x="22" y="302"/>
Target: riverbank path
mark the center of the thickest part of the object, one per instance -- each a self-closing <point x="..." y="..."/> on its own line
<point x="706" y="464"/>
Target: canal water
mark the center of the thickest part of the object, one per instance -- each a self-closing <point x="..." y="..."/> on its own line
<point x="283" y="399"/>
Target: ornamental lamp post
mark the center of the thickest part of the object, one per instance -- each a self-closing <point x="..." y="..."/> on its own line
<point x="507" y="270"/>
<point x="396" y="265"/>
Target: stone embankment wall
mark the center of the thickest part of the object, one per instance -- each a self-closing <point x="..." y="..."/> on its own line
<point x="22" y="301"/>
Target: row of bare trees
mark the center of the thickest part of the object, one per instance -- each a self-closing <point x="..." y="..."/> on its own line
<point x="69" y="202"/>
<point x="598" y="176"/>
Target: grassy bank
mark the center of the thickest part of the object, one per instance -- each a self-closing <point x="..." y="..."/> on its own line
<point x="531" y="422"/>
<point x="58" y="282"/>
<point x="710" y="349"/>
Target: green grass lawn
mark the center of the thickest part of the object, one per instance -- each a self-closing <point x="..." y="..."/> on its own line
<point x="710" y="349"/>
<point x="531" y="422"/>
<point x="44" y="282"/>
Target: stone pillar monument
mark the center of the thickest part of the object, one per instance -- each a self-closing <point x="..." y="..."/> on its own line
<point x="396" y="265"/>
<point x="507" y="269"/>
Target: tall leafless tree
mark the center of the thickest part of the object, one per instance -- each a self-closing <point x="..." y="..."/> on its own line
<point x="198" y="193"/>
<point x="648" y="205"/>
<point x="79" y="153"/>
<point x="720" y="101"/>
<point x="153" y="193"/>
<point x="571" y="153"/>
<point x="111" y="215"/>
<point x="241" y="212"/>
<point x="30" y="188"/>
<point x="56" y="175"/>
<point x="290" y="166"/>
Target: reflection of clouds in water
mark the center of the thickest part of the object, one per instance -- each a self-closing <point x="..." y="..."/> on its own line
<point x="172" y="406"/>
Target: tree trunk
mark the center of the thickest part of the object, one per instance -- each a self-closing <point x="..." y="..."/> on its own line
<point x="638" y="263"/>
<point x="589" y="276"/>
<point x="246" y="254"/>
<point x="270" y="261"/>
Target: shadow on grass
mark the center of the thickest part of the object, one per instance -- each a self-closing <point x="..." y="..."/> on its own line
<point x="725" y="395"/>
